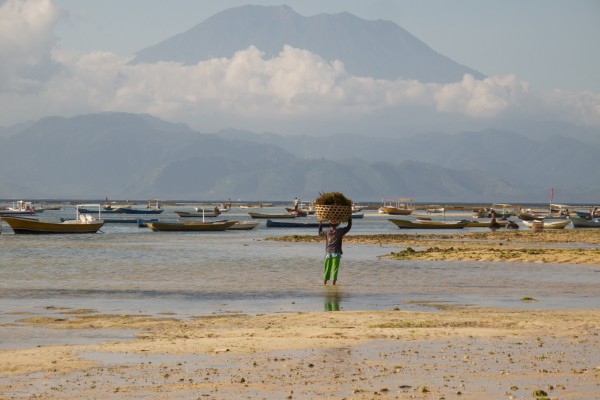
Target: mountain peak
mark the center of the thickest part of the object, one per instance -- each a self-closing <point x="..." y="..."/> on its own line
<point x="380" y="49"/>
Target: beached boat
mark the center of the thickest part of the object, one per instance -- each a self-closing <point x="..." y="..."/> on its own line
<point x="501" y="223"/>
<point x="421" y="224"/>
<point x="579" y="222"/>
<point x="547" y="224"/>
<point x="243" y="226"/>
<point x="397" y="207"/>
<point x="270" y="216"/>
<point x="190" y="226"/>
<point x="530" y="216"/>
<point x="503" y="210"/>
<point x="83" y="223"/>
<point x="593" y="213"/>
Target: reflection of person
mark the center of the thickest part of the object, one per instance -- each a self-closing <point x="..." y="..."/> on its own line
<point x="332" y="300"/>
<point x="296" y="202"/>
<point x="333" y="248"/>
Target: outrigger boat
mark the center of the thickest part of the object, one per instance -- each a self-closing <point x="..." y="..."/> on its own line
<point x="270" y="216"/>
<point x="190" y="226"/>
<point x="405" y="224"/>
<point x="547" y="224"/>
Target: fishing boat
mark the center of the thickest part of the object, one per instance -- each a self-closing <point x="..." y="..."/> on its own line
<point x="503" y="210"/>
<point x="139" y="221"/>
<point x="243" y="226"/>
<point x="397" y="207"/>
<point x="297" y="213"/>
<point x="200" y="214"/>
<point x="579" y="222"/>
<point x="153" y="207"/>
<point x="593" y="213"/>
<point x="19" y="208"/>
<point x="421" y="224"/>
<point x="270" y="216"/>
<point x="470" y="223"/>
<point x="83" y="223"/>
<point x="239" y="226"/>
<point x="501" y="223"/>
<point x="547" y="224"/>
<point x="190" y="226"/>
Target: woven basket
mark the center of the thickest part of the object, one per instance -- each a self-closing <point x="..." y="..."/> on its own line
<point x="333" y="213"/>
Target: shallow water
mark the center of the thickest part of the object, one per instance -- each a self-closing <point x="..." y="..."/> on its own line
<point x="127" y="269"/>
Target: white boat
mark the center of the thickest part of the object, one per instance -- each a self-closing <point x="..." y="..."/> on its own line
<point x="19" y="208"/>
<point x="436" y="210"/>
<point x="547" y="224"/>
<point x="397" y="207"/>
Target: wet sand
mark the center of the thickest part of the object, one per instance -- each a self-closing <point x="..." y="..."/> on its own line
<point x="447" y="353"/>
<point x="551" y="246"/>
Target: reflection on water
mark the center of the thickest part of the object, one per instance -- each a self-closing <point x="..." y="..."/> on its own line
<point x="332" y="298"/>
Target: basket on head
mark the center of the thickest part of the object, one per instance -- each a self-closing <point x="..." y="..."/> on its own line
<point x="333" y="213"/>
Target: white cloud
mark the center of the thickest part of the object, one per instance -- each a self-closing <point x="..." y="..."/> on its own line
<point x="244" y="91"/>
<point x="26" y="42"/>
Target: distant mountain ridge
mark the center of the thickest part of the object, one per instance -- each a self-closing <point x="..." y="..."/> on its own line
<point x="122" y="155"/>
<point x="379" y="49"/>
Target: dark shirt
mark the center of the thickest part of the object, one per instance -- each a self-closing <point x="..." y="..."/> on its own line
<point x="333" y="237"/>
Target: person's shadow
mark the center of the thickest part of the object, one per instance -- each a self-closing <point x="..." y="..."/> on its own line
<point x="332" y="298"/>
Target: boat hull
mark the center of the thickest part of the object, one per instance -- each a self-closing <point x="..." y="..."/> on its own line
<point x="404" y="224"/>
<point x="30" y="226"/>
<point x="395" y="211"/>
<point x="585" y="223"/>
<point x="243" y="226"/>
<point x="545" y="224"/>
<point x="186" y="214"/>
<point x="270" y="216"/>
<point x="137" y="211"/>
<point x="190" y="226"/>
<point x="486" y="224"/>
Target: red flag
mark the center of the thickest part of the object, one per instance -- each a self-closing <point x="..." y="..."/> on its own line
<point x="551" y="194"/>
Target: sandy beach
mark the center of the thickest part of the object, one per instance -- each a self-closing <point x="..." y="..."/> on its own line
<point x="445" y="352"/>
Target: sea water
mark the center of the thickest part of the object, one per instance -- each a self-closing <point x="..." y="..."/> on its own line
<point x="126" y="269"/>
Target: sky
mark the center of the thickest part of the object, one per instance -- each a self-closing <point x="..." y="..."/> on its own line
<point x="64" y="57"/>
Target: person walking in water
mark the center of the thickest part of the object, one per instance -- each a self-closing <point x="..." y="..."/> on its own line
<point x="333" y="248"/>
